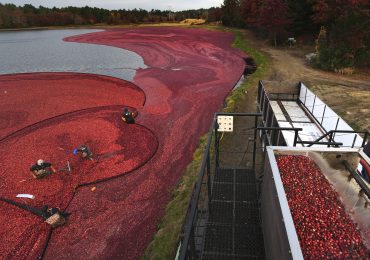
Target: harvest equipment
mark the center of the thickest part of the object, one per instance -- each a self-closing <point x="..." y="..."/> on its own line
<point x="291" y="189"/>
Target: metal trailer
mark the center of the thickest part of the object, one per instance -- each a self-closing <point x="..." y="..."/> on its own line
<point x="280" y="236"/>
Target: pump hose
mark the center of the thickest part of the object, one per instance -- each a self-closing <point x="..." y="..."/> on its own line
<point x="366" y="166"/>
<point x="35" y="211"/>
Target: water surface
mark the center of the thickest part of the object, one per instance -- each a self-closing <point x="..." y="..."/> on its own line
<point x="45" y="51"/>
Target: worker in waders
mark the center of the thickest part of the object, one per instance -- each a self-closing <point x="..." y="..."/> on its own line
<point x="53" y="216"/>
<point x="41" y="169"/>
<point x="128" y="116"/>
<point x="84" y="152"/>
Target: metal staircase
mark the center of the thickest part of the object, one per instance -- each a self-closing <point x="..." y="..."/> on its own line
<point x="233" y="229"/>
<point x="223" y="219"/>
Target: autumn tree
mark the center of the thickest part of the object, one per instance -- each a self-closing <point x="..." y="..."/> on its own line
<point x="274" y="17"/>
<point x="250" y="11"/>
<point x="270" y="16"/>
<point x="347" y="24"/>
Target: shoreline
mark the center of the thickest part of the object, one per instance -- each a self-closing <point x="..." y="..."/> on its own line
<point x="185" y="76"/>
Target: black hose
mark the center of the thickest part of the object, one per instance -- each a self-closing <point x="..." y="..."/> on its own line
<point x="33" y="210"/>
<point x="46" y="245"/>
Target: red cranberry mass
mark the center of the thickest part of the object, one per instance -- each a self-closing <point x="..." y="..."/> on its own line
<point x="324" y="229"/>
<point x="189" y="74"/>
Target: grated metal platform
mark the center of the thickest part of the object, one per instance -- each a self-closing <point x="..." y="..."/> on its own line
<point x="233" y="229"/>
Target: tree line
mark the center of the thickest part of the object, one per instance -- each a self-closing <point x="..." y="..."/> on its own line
<point x="12" y="16"/>
<point x="341" y="27"/>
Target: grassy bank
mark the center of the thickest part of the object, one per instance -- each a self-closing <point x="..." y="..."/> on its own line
<point x="236" y="96"/>
<point x="165" y="242"/>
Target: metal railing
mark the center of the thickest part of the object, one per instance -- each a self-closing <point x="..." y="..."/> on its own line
<point x="191" y="244"/>
<point x="278" y="95"/>
<point x="274" y="138"/>
<point x="354" y="174"/>
<point x="188" y="247"/>
<point x="331" y="136"/>
<point x="328" y="120"/>
<point x="272" y="132"/>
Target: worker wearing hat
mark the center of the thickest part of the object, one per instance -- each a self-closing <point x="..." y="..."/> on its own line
<point x="41" y="169"/>
<point x="128" y="116"/>
<point x="84" y="151"/>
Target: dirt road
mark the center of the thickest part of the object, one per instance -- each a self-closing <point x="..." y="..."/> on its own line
<point x="349" y="96"/>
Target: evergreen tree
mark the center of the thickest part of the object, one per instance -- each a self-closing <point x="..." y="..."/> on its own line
<point x="231" y="15"/>
<point x="300" y="12"/>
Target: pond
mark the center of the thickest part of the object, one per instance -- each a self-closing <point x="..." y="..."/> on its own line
<point x="45" y="51"/>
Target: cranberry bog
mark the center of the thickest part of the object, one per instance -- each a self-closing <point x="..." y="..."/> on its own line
<point x="115" y="201"/>
<point x="319" y="210"/>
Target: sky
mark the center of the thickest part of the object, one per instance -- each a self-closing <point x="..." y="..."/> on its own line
<point x="174" y="5"/>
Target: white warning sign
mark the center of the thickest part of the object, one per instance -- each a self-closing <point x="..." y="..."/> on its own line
<point x="225" y="123"/>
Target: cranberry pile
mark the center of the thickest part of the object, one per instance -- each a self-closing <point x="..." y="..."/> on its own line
<point x="324" y="228"/>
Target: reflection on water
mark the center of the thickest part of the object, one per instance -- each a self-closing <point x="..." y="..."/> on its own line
<point x="45" y="51"/>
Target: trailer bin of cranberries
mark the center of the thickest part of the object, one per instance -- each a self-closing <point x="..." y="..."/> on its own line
<point x="314" y="205"/>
